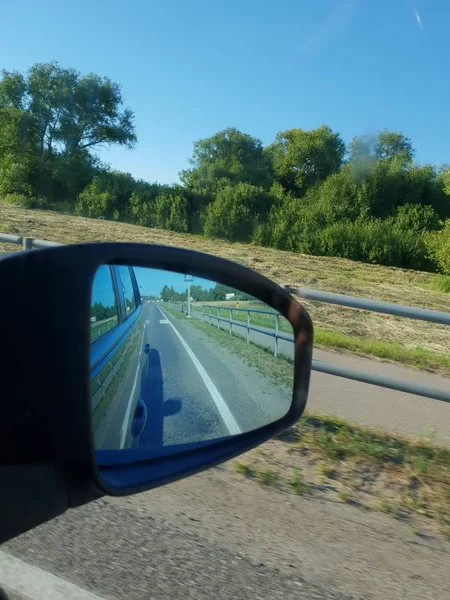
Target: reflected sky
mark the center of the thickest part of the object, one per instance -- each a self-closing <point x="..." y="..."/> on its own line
<point x="151" y="281"/>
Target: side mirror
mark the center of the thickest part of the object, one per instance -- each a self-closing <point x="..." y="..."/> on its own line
<point x="133" y="365"/>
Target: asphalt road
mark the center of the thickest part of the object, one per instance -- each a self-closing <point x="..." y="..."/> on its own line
<point x="218" y="535"/>
<point x="196" y="390"/>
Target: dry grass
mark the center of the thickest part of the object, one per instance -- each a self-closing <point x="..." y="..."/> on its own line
<point x="331" y="274"/>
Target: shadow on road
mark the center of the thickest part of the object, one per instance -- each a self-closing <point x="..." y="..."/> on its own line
<point x="152" y="393"/>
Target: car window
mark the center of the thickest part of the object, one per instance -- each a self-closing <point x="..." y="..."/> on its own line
<point x="128" y="289"/>
<point x="104" y="311"/>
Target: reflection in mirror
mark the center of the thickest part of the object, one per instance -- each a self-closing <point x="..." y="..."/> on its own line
<point x="179" y="360"/>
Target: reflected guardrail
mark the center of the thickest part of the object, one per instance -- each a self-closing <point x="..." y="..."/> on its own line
<point x="328" y="368"/>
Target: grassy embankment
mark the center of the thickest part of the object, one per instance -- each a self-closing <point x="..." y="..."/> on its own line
<point x="415" y="343"/>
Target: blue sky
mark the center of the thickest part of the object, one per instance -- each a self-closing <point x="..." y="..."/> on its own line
<point x="190" y="68"/>
<point x="151" y="281"/>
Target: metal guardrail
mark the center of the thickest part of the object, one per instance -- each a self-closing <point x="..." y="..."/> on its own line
<point x="398" y="310"/>
<point x="275" y="334"/>
<point x="27" y="243"/>
<point x="387" y="308"/>
<point x="324" y="367"/>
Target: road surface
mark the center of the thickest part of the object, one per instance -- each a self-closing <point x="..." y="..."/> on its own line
<point x="218" y="535"/>
<point x="194" y="389"/>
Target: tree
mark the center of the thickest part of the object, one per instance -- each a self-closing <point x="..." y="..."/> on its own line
<point x="58" y="117"/>
<point x="235" y="211"/>
<point x="393" y="144"/>
<point x="108" y="195"/>
<point x="302" y="158"/>
<point x="17" y="155"/>
<point x="438" y="245"/>
<point x="228" y="155"/>
<point x="72" y="112"/>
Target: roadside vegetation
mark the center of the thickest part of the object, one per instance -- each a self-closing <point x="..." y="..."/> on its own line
<point x="306" y="191"/>
<point x="329" y="458"/>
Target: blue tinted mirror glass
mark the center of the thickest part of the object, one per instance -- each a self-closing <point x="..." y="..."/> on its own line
<point x="179" y="360"/>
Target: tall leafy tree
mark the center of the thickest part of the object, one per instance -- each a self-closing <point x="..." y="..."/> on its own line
<point x="73" y="111"/>
<point x="228" y="155"/>
<point x="393" y="144"/>
<point x="303" y="158"/>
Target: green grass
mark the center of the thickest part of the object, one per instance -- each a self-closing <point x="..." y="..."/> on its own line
<point x="440" y="283"/>
<point x="384" y="506"/>
<point x="243" y="469"/>
<point x="326" y="470"/>
<point x="416" y="357"/>
<point x="416" y="472"/>
<point x="266" y="476"/>
<point x="340" y="440"/>
<point x="263" y="475"/>
<point x="297" y="482"/>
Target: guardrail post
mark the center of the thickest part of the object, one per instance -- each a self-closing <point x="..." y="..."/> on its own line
<point x="231" y="317"/>
<point x="210" y="314"/>
<point x="218" y="318"/>
<point x="248" y="327"/>
<point x="275" y="339"/>
<point x="27" y="243"/>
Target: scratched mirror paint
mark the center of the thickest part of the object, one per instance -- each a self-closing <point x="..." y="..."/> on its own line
<point x="176" y="360"/>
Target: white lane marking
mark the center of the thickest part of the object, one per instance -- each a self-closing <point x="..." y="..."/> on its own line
<point x="147" y="322"/>
<point x="226" y="414"/>
<point x="130" y="401"/>
<point x="163" y="321"/>
<point x="27" y="581"/>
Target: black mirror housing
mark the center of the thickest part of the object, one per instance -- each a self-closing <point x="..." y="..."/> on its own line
<point x="45" y="308"/>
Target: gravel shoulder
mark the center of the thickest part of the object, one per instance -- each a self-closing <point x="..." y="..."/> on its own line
<point x="216" y="535"/>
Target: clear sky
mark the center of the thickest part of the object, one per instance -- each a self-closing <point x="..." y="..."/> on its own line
<point x="152" y="281"/>
<point x="190" y="68"/>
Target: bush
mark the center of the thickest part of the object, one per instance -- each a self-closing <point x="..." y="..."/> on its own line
<point x="235" y="212"/>
<point x="20" y="200"/>
<point x="171" y="212"/>
<point x="438" y="246"/>
<point x="417" y="217"/>
<point x="377" y="241"/>
<point x="93" y="202"/>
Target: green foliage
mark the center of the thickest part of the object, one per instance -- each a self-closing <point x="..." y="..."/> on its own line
<point x="294" y="194"/>
<point x="235" y="211"/>
<point x="230" y="155"/>
<point x="302" y="158"/>
<point x="19" y="200"/>
<point x="417" y="218"/>
<point x="438" y="244"/>
<point x="171" y="212"/>
<point x="106" y="196"/>
<point x="50" y="119"/>
<point x="394" y="145"/>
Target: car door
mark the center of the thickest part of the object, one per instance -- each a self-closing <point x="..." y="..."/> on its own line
<point x="116" y="352"/>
